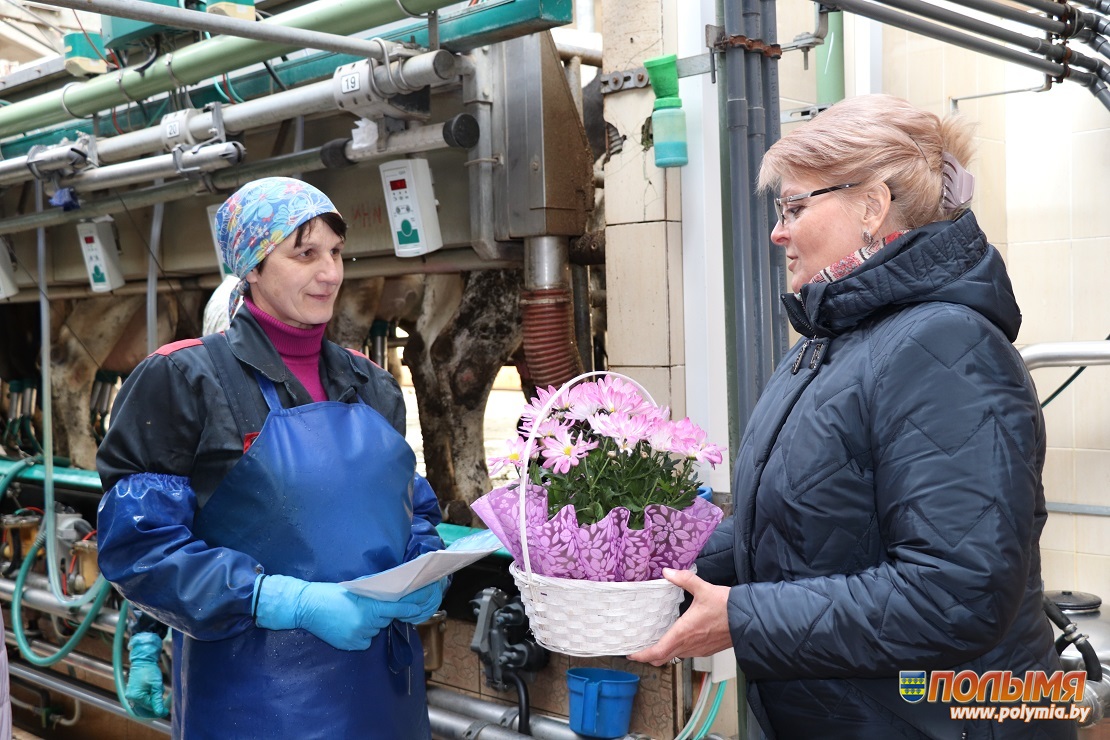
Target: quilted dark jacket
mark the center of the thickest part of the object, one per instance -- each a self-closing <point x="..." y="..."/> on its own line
<point x="889" y="501"/>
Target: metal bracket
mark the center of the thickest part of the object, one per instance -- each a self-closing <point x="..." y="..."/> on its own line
<point x="718" y="41"/>
<point x="797" y="115"/>
<point x="627" y="79"/>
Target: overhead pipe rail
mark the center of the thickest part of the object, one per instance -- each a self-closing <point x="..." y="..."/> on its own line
<point x="196" y="20"/>
<point x="408" y="75"/>
<point x="1056" y="60"/>
<point x="201" y="61"/>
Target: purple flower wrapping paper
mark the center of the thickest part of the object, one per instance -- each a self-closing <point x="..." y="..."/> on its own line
<point x="605" y="551"/>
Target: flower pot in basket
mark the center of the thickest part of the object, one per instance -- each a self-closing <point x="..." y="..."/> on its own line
<point x="607" y="498"/>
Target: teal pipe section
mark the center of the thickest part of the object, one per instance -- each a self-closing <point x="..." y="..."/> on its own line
<point x="830" y="62"/>
<point x="199" y="62"/>
<point x="28" y="471"/>
<point x="17" y="612"/>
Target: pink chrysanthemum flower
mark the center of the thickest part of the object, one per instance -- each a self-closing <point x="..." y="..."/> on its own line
<point x="563" y="453"/>
<point x="511" y="459"/>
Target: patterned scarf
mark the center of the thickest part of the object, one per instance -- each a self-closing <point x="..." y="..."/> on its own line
<point x="258" y="217"/>
<point x="841" y="268"/>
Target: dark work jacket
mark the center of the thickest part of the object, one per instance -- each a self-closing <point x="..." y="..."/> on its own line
<point x="888" y="500"/>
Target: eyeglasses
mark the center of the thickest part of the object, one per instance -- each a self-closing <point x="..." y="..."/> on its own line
<point x="788" y="215"/>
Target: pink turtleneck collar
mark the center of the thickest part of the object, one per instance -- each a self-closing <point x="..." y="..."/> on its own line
<point x="299" y="349"/>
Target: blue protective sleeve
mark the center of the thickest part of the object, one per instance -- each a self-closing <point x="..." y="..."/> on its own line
<point x="148" y="550"/>
<point x="425" y="516"/>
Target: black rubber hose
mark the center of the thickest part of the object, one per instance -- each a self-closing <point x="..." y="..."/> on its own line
<point x="1072" y="636"/>
<point x="523" y="724"/>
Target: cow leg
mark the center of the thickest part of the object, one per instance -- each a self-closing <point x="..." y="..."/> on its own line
<point x="84" y="341"/>
<point x="468" y="328"/>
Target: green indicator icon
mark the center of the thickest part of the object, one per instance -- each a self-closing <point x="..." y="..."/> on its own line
<point x="407" y="234"/>
<point x="98" y="275"/>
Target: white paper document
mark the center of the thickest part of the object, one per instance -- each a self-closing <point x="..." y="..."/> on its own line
<point x="392" y="584"/>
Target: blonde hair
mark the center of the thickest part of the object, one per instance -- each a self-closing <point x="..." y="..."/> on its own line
<point x="874" y="139"/>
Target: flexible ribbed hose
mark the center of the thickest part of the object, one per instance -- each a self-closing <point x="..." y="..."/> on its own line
<point x="549" y="348"/>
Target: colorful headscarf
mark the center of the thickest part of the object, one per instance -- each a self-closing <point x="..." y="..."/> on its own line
<point x="258" y="217"/>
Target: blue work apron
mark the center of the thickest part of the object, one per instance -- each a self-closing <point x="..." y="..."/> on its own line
<point x="324" y="493"/>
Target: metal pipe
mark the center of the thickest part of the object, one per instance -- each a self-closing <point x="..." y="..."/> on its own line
<point x="909" y="23"/>
<point x="546" y="262"/>
<point x="36" y="596"/>
<point x="542" y="728"/>
<point x="1066" y="354"/>
<point x="1016" y="14"/>
<point x="200" y="61"/>
<point x="415" y="139"/>
<point x="452" y="726"/>
<point x="205" y="282"/>
<point x="589" y="57"/>
<point x="308" y="100"/>
<point x="86" y="663"/>
<point x="1054" y="52"/>
<point x="779" y="324"/>
<point x="1048" y="7"/>
<point x="153" y="260"/>
<point x="426" y="69"/>
<point x="218" y="24"/>
<point x="88" y="694"/>
<point x="306" y="161"/>
<point x="206" y="159"/>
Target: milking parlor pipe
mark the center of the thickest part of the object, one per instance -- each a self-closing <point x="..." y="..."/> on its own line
<point x="229" y="179"/>
<point x="430" y="68"/>
<point x="201" y="61"/>
<point x="49" y="514"/>
<point x="1063" y="354"/>
<point x="445" y="703"/>
<point x="197" y="20"/>
<point x="1040" y="47"/>
<point x="547" y="313"/>
<point x="879" y="13"/>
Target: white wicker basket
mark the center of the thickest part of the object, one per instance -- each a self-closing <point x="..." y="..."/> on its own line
<point x="590" y="618"/>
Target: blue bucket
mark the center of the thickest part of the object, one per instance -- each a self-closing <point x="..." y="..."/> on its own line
<point x="601" y="701"/>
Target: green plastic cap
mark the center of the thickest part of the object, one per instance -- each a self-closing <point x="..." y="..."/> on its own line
<point x="663" y="74"/>
<point x="661" y="103"/>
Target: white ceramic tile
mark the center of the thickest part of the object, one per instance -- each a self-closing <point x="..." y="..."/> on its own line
<point x="659" y="381"/>
<point x="1058" y="569"/>
<point x="1038" y="176"/>
<point x="1092" y="574"/>
<point x="989" y="169"/>
<point x="1059" y="414"/>
<point x="1092" y="408"/>
<point x="1092" y="477"/>
<point x="1092" y="535"/>
<point x="1090" y="153"/>
<point x="925" y="77"/>
<point x="1059" y="475"/>
<point x="1041" y="275"/>
<point x="1091" y="299"/>
<point x="636" y="294"/>
<point x="1059" y="532"/>
<point x="677" y="355"/>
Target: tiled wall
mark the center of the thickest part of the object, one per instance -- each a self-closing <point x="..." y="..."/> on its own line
<point x="1059" y="229"/>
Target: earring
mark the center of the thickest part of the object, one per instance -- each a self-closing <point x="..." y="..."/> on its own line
<point x="868" y="240"/>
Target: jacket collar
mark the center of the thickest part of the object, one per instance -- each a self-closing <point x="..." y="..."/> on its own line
<point x="945" y="261"/>
<point x="249" y="343"/>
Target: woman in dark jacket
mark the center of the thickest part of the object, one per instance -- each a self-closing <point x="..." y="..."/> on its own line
<point x="888" y="498"/>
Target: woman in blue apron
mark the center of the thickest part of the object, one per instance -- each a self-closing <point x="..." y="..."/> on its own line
<point x="247" y="474"/>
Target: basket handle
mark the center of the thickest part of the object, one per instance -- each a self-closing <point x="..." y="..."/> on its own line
<point x="526" y="458"/>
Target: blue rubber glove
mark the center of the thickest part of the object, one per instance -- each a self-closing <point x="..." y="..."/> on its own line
<point x="427" y="599"/>
<point x="338" y="617"/>
<point x="144" y="681"/>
